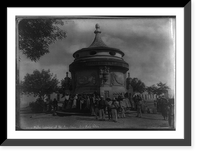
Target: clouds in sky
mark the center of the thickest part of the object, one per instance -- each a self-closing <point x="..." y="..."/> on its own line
<point x="148" y="44"/>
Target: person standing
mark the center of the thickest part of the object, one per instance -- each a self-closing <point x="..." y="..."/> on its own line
<point x="74" y="101"/>
<point x="92" y="101"/>
<point x="171" y="113"/>
<point x="127" y="103"/>
<point x="55" y="104"/>
<point x="81" y="101"/>
<point x="164" y="107"/>
<point x="131" y="101"/>
<point x="158" y="105"/>
<point x="50" y="105"/>
<point x="118" y="107"/>
<point x="122" y="107"/>
<point x="47" y="105"/>
<point x="139" y="107"/>
<point x="64" y="105"/>
<point x="108" y="106"/>
<point x="102" y="107"/>
<point x="70" y="103"/>
<point x="87" y="102"/>
<point x="155" y="103"/>
<point x="96" y="107"/>
<point x="135" y="99"/>
<point x="114" y="110"/>
<point x="66" y="101"/>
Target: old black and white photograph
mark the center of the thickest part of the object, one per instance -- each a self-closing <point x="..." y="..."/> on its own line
<point x="95" y="73"/>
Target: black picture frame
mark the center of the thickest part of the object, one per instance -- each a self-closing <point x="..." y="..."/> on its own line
<point x="129" y="142"/>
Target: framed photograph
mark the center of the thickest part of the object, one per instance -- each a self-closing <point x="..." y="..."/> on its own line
<point x="99" y="76"/>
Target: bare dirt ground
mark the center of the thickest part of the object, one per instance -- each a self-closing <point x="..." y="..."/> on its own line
<point x="45" y="121"/>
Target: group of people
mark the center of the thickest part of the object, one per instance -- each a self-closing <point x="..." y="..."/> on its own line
<point x="165" y="107"/>
<point x="50" y="105"/>
<point x="113" y="109"/>
<point x="98" y="106"/>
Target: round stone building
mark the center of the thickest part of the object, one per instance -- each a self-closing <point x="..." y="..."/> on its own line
<point x="99" y="69"/>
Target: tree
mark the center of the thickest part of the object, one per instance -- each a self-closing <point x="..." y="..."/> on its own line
<point x="66" y="85"/>
<point x="137" y="85"/>
<point x="158" y="89"/>
<point x="39" y="84"/>
<point x="162" y="88"/>
<point x="152" y="89"/>
<point x="35" y="36"/>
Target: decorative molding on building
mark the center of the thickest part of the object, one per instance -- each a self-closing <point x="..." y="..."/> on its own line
<point x="110" y="63"/>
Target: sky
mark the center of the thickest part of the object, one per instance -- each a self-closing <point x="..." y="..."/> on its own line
<point x="147" y="42"/>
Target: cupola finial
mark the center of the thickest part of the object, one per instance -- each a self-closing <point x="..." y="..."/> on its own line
<point x="97" y="28"/>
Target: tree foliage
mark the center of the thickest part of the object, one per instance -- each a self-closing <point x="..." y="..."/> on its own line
<point x="39" y="83"/>
<point x="137" y="85"/>
<point x="162" y="88"/>
<point x="35" y="36"/>
<point x="66" y="85"/>
<point x="158" y="89"/>
<point x="152" y="89"/>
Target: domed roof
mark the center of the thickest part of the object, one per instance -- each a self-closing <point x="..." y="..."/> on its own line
<point x="98" y="44"/>
<point x="98" y="54"/>
<point x="97" y="40"/>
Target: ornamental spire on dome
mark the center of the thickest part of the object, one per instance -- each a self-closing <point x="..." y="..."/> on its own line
<point x="97" y="40"/>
